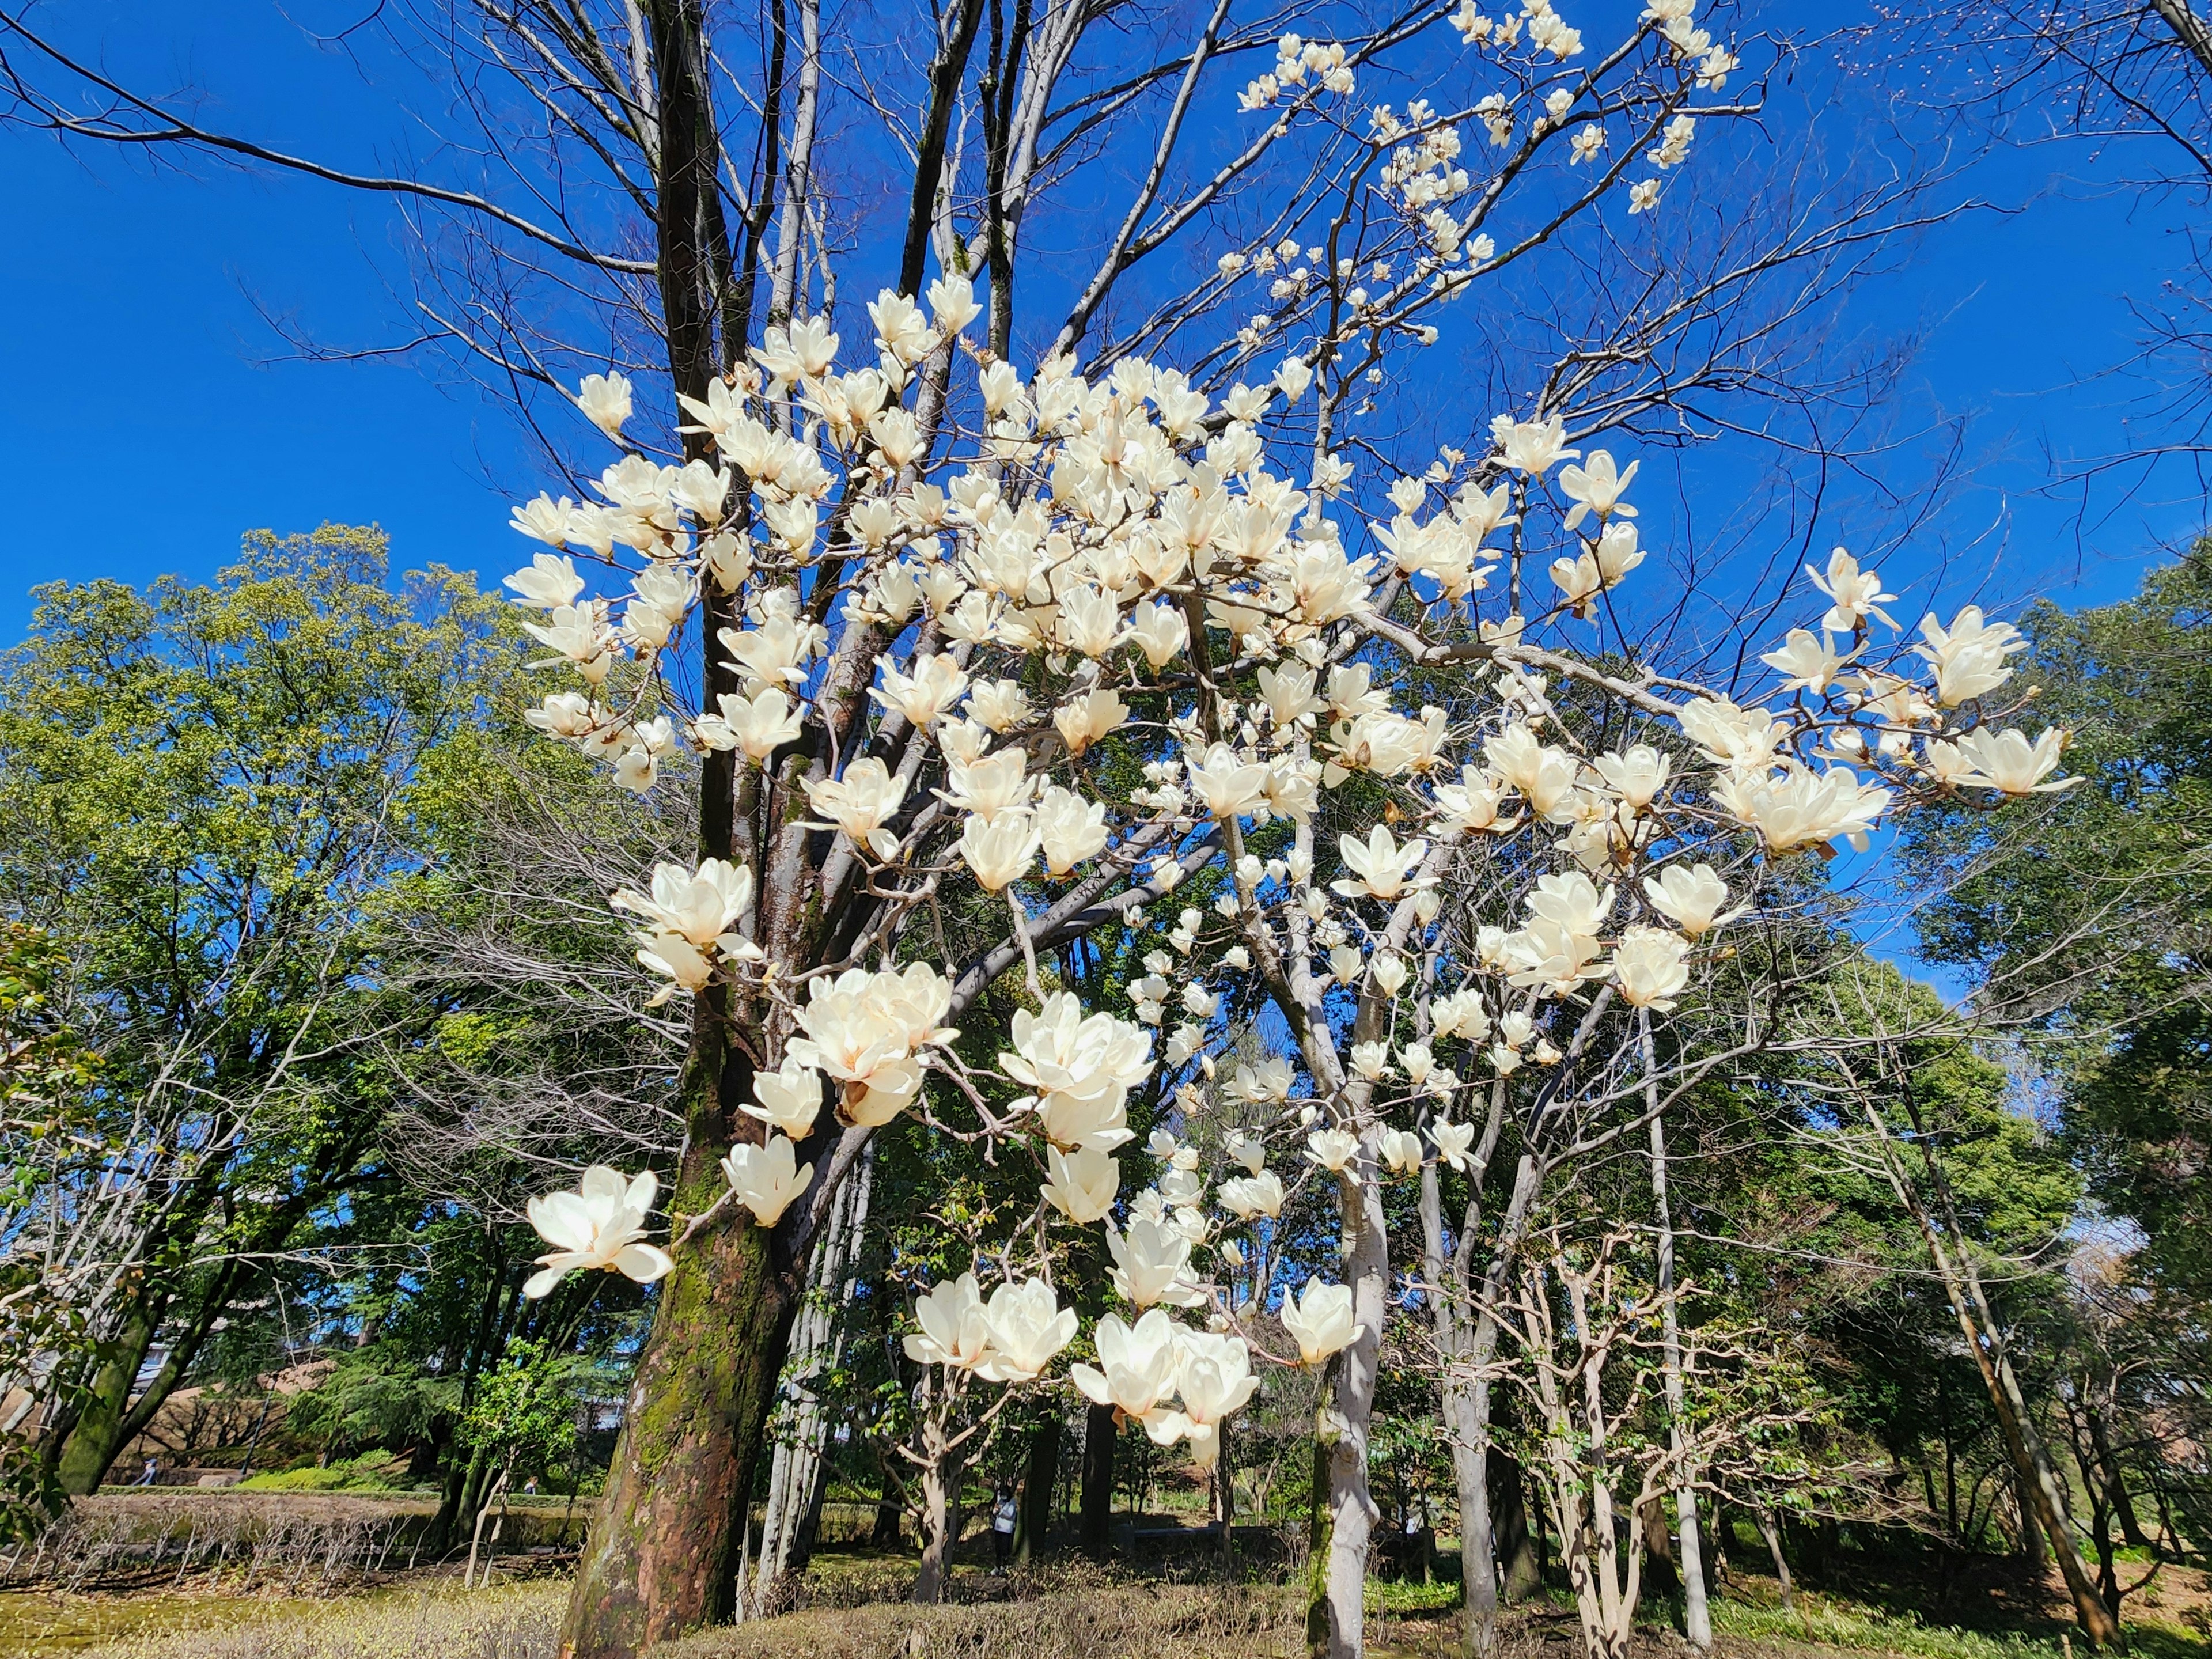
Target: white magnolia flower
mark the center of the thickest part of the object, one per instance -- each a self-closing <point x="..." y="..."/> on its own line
<point x="1083" y="720"/>
<point x="701" y="906"/>
<point x="1690" y="896"/>
<point x="1453" y="1140"/>
<point x="1000" y="850"/>
<point x="767" y="1178"/>
<point x="953" y="1332"/>
<point x="1808" y="660"/>
<point x="1213" y="1379"/>
<point x="1137" y="1364"/>
<point x="760" y="724"/>
<point x="1802" y="808"/>
<point x="1532" y="446"/>
<point x="598" y="1226"/>
<point x="550" y="583"/>
<point x="863" y="1029"/>
<point x="1151" y="1264"/>
<point x="1247" y="1151"/>
<point x="1382" y="866"/>
<point x="1596" y="487"/>
<point x="1256" y="1194"/>
<point x="1636" y="776"/>
<point x="1331" y="1149"/>
<point x="1401" y="1150"/>
<point x="860" y="802"/>
<point x="1026" y="1328"/>
<point x="1854" y="594"/>
<point x="936" y="683"/>
<point x="1085" y="1183"/>
<point x="790" y="1099"/>
<point x="1160" y="631"/>
<point x="2008" y="761"/>
<point x="1969" y="656"/>
<point x="1320" y="1321"/>
<point x="1081" y="1068"/>
<point x="1648" y="966"/>
<point x="605" y="401"/>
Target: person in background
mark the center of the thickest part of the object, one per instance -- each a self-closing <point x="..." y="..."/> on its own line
<point x="1004" y="1512"/>
<point x="146" y="1477"/>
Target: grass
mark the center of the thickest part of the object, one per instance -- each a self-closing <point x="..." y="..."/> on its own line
<point x="1851" y="1626"/>
<point x="517" y="1620"/>
<point x="263" y="1585"/>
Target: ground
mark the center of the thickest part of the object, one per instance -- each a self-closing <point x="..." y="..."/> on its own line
<point x="278" y="1576"/>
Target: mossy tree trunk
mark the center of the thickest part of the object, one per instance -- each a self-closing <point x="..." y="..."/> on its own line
<point x="660" y="1558"/>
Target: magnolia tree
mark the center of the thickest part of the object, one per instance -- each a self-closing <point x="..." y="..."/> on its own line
<point x="1119" y="576"/>
<point x="926" y="612"/>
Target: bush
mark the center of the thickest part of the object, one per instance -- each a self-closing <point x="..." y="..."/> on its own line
<point x="371" y="1471"/>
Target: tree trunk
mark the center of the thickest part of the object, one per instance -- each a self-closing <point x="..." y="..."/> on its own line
<point x="940" y="1482"/>
<point x="659" y="1563"/>
<point x="1696" y="1618"/>
<point x="1517" y="1549"/>
<point x="1099" y="1433"/>
<point x="816" y="1345"/>
<point x="885" y="1535"/>
<point x="1034" y="1520"/>
<point x="2042" y="1498"/>
<point x="96" y="1434"/>
<point x="1773" y="1534"/>
<point x="1351" y="1511"/>
<point x="2115" y="1490"/>
<point x="1661" y="1577"/>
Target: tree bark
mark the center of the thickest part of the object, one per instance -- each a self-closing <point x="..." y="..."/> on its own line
<point x="1034" y="1522"/>
<point x="1517" y="1546"/>
<point x="1351" y="1511"/>
<point x="940" y="1486"/>
<point x="1099" y="1433"/>
<point x="1696" y="1618"/>
<point x="1773" y="1534"/>
<point x="2042" y="1498"/>
<point x="659" y="1561"/>
<point x="96" y="1434"/>
<point x="2115" y="1490"/>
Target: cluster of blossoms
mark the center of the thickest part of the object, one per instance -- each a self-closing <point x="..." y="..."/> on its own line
<point x="1547" y="32"/>
<point x="1118" y="580"/>
<point x="1295" y="60"/>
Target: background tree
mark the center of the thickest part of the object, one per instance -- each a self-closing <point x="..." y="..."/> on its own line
<point x="203" y="793"/>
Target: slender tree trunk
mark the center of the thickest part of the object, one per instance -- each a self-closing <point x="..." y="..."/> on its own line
<point x="2116" y="1489"/>
<point x="2042" y="1497"/>
<point x="1099" y="1434"/>
<point x="818" y="1344"/>
<point x="940" y="1483"/>
<point x="1516" y="1547"/>
<point x="1773" y="1534"/>
<point x="1034" y="1521"/>
<point x="1351" y="1511"/>
<point x="96" y="1435"/>
<point x="1696" y="1618"/>
<point x="885" y="1535"/>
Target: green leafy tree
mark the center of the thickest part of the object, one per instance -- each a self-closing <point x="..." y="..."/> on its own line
<point x="203" y="791"/>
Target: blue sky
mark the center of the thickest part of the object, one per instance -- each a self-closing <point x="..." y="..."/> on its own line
<point x="152" y="421"/>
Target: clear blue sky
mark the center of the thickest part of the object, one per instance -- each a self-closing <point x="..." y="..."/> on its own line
<point x="148" y="426"/>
